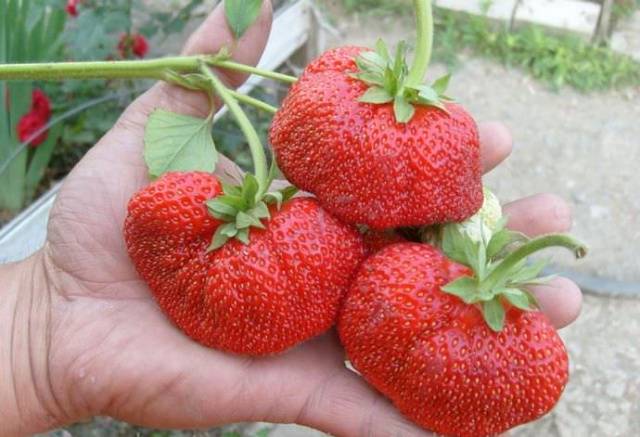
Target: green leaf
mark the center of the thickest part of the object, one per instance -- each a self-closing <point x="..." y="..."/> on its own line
<point x="519" y="298"/>
<point x="465" y="287"/>
<point x="403" y="110"/>
<point x="376" y="95"/>
<point x="494" y="314"/>
<point x="241" y="14"/>
<point x="175" y="142"/>
<point x="264" y="432"/>
<point x="441" y="84"/>
<point x="260" y="211"/>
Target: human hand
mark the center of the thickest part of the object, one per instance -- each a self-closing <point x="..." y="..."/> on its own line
<point x="109" y="350"/>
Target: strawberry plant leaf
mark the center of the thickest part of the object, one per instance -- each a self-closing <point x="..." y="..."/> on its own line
<point x="175" y="142"/>
<point x="241" y="14"/>
<point x="376" y="95"/>
<point x="494" y="314"/>
<point x="403" y="110"/>
<point x="465" y="288"/>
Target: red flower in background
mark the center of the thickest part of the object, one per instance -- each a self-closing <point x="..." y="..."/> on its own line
<point x="40" y="103"/>
<point x="135" y="44"/>
<point x="35" y="119"/>
<point x="72" y="7"/>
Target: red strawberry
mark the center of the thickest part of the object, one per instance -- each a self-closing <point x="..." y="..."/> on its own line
<point x="387" y="155"/>
<point x="263" y="297"/>
<point x="433" y="354"/>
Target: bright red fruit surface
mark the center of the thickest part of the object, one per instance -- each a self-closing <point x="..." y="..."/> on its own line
<point x="366" y="168"/>
<point x="435" y="357"/>
<point x="262" y="298"/>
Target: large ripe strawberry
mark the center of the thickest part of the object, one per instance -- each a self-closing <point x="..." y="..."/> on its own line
<point x="373" y="147"/>
<point x="273" y="286"/>
<point x="459" y="351"/>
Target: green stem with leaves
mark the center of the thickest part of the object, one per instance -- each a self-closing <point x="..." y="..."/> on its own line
<point x="156" y="69"/>
<point x="535" y="245"/>
<point x="257" y="151"/>
<point x="424" y="42"/>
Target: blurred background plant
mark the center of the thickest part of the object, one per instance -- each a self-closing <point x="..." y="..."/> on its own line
<point x="80" y="111"/>
<point x="35" y="35"/>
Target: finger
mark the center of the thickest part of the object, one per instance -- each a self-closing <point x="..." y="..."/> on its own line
<point x="344" y="405"/>
<point x="539" y="214"/>
<point x="560" y="300"/>
<point x="496" y="144"/>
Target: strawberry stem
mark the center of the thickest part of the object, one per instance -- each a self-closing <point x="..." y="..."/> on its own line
<point x="503" y="270"/>
<point x="424" y="42"/>
<point x="259" y="104"/>
<point x="255" y="145"/>
<point x="143" y="69"/>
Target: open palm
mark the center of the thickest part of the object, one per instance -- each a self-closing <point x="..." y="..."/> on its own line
<point x="113" y="351"/>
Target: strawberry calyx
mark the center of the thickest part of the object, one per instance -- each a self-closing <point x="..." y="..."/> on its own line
<point x="242" y="207"/>
<point x="388" y="82"/>
<point x="501" y="271"/>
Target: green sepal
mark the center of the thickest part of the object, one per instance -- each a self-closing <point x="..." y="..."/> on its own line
<point x="494" y="314"/>
<point x="221" y="210"/>
<point x="521" y="299"/>
<point x="280" y="196"/>
<point x="464" y="287"/>
<point x="250" y="188"/>
<point x="245" y="220"/>
<point x="260" y="211"/>
<point x="528" y="272"/>
<point x="376" y="95"/>
<point x="222" y="235"/>
<point x="403" y="110"/>
<point x="441" y="84"/>
<point x="387" y="77"/>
